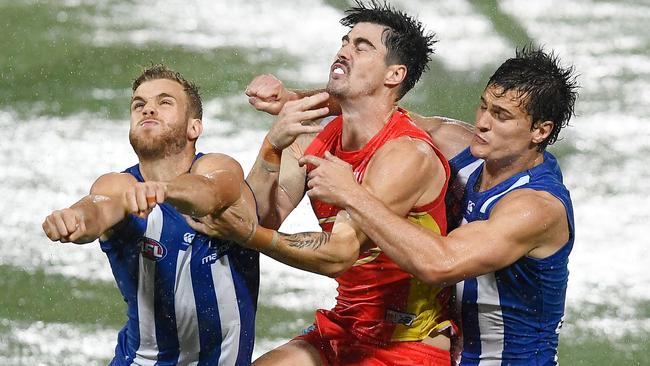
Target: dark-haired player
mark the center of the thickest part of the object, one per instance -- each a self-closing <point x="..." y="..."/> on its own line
<point x="509" y="255"/>
<point x="383" y="314"/>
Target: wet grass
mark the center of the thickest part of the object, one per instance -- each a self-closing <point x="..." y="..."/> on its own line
<point x="37" y="296"/>
<point x="51" y="67"/>
<point x="30" y="296"/>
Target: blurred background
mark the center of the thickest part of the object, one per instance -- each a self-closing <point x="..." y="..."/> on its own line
<point x="65" y="72"/>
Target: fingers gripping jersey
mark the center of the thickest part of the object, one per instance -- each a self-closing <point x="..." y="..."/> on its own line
<point x="377" y="301"/>
<point x="190" y="299"/>
<point x="511" y="316"/>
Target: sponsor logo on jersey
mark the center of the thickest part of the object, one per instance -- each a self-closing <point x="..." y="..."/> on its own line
<point x="218" y="249"/>
<point x="152" y="249"/>
<point x="398" y="317"/>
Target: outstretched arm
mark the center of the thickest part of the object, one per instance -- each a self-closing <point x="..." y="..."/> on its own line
<point x="93" y="215"/>
<point x="524" y="222"/>
<point x="332" y="254"/>
<point x="213" y="184"/>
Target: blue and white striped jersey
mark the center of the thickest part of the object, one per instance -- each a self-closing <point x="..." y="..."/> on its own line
<point x="511" y="316"/>
<point x="191" y="300"/>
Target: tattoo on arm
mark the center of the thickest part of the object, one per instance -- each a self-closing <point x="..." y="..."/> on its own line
<point x="307" y="240"/>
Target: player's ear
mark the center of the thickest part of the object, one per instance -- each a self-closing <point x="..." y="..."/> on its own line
<point x="395" y="75"/>
<point x="194" y="128"/>
<point x="541" y="130"/>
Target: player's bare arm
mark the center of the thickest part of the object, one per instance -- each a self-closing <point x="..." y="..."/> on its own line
<point x="214" y="182"/>
<point x="275" y="178"/>
<point x="524" y="222"/>
<point x="93" y="215"/>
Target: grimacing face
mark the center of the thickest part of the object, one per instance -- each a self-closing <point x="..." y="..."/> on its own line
<point x="159" y="119"/>
<point x="360" y="65"/>
<point x="503" y="126"/>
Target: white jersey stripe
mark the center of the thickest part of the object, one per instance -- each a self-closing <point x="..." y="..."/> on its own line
<point x="464" y="173"/>
<point x="187" y="324"/>
<point x="520" y="182"/>
<point x="147" y="353"/>
<point x="490" y="320"/>
<point x="228" y="311"/>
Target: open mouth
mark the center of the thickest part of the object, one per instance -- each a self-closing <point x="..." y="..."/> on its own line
<point x="338" y="69"/>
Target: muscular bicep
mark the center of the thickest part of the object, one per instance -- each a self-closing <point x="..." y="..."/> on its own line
<point x="223" y="174"/>
<point x="524" y="223"/>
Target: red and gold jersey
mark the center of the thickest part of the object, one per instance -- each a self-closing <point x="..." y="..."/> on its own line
<point x="377" y="301"/>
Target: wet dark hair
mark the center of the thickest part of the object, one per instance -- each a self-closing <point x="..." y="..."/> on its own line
<point x="160" y="71"/>
<point x="405" y="40"/>
<point x="549" y="91"/>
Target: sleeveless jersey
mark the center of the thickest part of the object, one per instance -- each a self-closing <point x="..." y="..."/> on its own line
<point x="191" y="299"/>
<point x="377" y="301"/>
<point x="511" y="316"/>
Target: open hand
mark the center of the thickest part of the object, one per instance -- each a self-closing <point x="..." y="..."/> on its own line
<point x="294" y="120"/>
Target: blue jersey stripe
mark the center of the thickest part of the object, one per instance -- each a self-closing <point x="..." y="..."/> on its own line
<point x="166" y="333"/>
<point x="469" y="314"/>
<point x="246" y="306"/>
<point x="207" y="312"/>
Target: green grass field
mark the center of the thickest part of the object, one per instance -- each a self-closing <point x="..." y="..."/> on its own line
<point x="48" y="68"/>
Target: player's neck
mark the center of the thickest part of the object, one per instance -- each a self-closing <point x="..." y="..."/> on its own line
<point x="362" y="119"/>
<point x="167" y="168"/>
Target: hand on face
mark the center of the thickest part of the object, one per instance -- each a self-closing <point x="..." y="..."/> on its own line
<point x="235" y="223"/>
<point x="141" y="198"/>
<point x="332" y="181"/>
<point x="293" y="120"/>
<point x="267" y="94"/>
<point x="65" y="225"/>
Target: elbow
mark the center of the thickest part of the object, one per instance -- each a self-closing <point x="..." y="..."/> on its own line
<point x="435" y="275"/>
<point x="335" y="268"/>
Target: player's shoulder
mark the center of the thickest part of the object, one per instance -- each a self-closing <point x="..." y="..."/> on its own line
<point x="405" y="149"/>
<point x="216" y="161"/>
<point x="538" y="205"/>
<point x="112" y="182"/>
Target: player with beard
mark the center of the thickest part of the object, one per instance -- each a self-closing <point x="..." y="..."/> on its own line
<point x="383" y="315"/>
<point x="190" y="298"/>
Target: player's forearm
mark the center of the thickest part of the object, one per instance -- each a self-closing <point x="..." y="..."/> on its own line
<point x="415" y="249"/>
<point x="318" y="252"/>
<point x="197" y="195"/>
<point x="98" y="213"/>
<point x="263" y="180"/>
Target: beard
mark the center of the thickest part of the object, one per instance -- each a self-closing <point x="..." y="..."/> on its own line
<point x="333" y="89"/>
<point x="169" y="142"/>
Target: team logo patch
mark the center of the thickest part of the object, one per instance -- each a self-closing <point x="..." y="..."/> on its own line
<point x="152" y="249"/>
<point x="470" y="207"/>
<point x="188" y="238"/>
